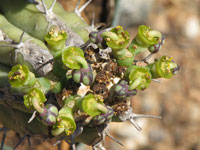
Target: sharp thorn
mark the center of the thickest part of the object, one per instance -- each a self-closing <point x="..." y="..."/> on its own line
<point x="59" y="146"/>
<point x="33" y="2"/>
<point x="3" y="138"/>
<point x="8" y="46"/>
<point x="2" y="129"/>
<point x="77" y="6"/>
<point x="156" y="80"/>
<point x="98" y="147"/>
<point x="135" y="124"/>
<point x="49" y="61"/>
<point x="52" y="5"/>
<point x="93" y="19"/>
<point x="114" y="139"/>
<point x="47" y="11"/>
<point x="19" y="142"/>
<point x="73" y="146"/>
<point x="85" y="45"/>
<point x="32" y="117"/>
<point x="21" y="37"/>
<point x="29" y="140"/>
<point x="44" y="6"/>
<point x="144" y="116"/>
<point x="84" y="6"/>
<point x="147" y="58"/>
<point x="57" y="143"/>
<point x="108" y="29"/>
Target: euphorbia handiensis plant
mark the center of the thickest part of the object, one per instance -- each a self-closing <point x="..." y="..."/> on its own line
<point x="55" y="80"/>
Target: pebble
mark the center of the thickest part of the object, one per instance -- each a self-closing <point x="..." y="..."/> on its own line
<point x="192" y="27"/>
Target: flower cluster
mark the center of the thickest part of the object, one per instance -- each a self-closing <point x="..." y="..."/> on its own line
<point x="82" y="91"/>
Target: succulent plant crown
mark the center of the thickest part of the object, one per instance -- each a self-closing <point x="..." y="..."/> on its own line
<point x="59" y="71"/>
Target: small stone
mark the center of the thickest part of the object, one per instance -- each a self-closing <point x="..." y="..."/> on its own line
<point x="192" y="27"/>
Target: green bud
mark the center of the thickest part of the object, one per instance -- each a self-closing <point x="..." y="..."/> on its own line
<point x="164" y="67"/>
<point x="116" y="38"/>
<point x="84" y="75"/>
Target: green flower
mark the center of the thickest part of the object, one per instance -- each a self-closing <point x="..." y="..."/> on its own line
<point x="21" y="78"/>
<point x="35" y="98"/>
<point x="147" y="37"/>
<point x="164" y="67"/>
<point x="56" y="39"/>
<point x="139" y="77"/>
<point x="92" y="105"/>
<point x="73" y="58"/>
<point x="65" y="122"/>
<point x="116" y="38"/>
